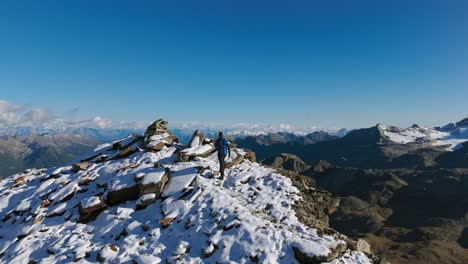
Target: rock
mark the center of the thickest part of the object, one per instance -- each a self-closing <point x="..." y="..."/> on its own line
<point x="236" y="161"/>
<point x="125" y="143"/>
<point x="363" y="246"/>
<point x="166" y="222"/>
<point x="80" y="166"/>
<point x="197" y="139"/>
<point x="45" y="203"/>
<point x="125" y="188"/>
<point x="317" y="203"/>
<point x="85" y="181"/>
<point x="154" y="182"/>
<point x="139" y="176"/>
<point x="250" y="155"/>
<point x="26" y="231"/>
<point x="157" y="136"/>
<point x="107" y="253"/>
<point x="123" y="194"/>
<point x="37" y="219"/>
<point x="200" y="151"/>
<point x="145" y="200"/>
<point x="90" y="208"/>
<point x="156" y="127"/>
<point x="20" y="180"/>
<point x="304" y="258"/>
<point x="125" y="153"/>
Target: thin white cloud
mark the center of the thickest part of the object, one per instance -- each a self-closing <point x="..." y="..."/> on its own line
<point x="250" y="129"/>
<point x="12" y="115"/>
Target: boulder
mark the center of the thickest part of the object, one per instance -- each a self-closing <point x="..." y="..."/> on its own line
<point x="157" y="136"/>
<point x="107" y="253"/>
<point x="125" y="143"/>
<point x="90" y="208"/>
<point x="200" y="151"/>
<point x="237" y="160"/>
<point x="122" y="194"/>
<point x="363" y="246"/>
<point x="125" y="152"/>
<point x="20" y="180"/>
<point x="250" y="155"/>
<point x="154" y="182"/>
<point x="156" y="127"/>
<point x="80" y="166"/>
<point x="166" y="222"/>
<point x="303" y="257"/>
<point x="197" y="139"/>
<point x="145" y="200"/>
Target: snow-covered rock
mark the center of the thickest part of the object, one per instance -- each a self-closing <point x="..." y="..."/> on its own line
<point x="246" y="218"/>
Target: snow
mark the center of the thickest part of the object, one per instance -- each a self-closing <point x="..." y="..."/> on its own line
<point x="198" y="150"/>
<point x="195" y="142"/>
<point x="145" y="198"/>
<point x="179" y="180"/>
<point x="24" y="205"/>
<point x="249" y="214"/>
<point x="159" y="137"/>
<point x="153" y="177"/>
<point x="90" y="202"/>
<point x="64" y="192"/>
<point x="438" y="137"/>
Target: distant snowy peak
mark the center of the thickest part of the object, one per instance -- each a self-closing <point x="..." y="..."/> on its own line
<point x="100" y="134"/>
<point x="451" y="135"/>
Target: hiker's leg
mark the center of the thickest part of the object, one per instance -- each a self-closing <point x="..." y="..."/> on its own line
<point x="221" y="164"/>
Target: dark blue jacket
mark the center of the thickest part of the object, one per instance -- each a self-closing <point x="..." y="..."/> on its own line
<point x="222" y="145"/>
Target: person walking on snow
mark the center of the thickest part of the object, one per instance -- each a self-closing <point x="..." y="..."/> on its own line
<point x="223" y="148"/>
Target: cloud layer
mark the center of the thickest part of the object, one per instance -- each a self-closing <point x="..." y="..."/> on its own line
<point x="12" y="115"/>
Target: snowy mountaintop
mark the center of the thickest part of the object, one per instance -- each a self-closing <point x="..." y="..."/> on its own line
<point x="452" y="135"/>
<point x="148" y="199"/>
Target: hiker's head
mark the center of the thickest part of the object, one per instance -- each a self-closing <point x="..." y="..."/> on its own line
<point x="220" y="134"/>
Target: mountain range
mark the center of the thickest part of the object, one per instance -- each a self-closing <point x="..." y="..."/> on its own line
<point x="375" y="147"/>
<point x="18" y="153"/>
<point x="402" y="189"/>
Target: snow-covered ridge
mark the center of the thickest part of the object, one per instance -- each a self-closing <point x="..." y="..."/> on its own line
<point x="450" y="135"/>
<point x="147" y="199"/>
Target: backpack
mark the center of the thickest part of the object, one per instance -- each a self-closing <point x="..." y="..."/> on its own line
<point x="221" y="145"/>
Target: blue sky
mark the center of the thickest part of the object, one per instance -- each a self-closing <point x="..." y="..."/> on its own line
<point x="324" y="63"/>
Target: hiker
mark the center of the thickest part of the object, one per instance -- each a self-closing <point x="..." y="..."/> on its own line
<point x="223" y="148"/>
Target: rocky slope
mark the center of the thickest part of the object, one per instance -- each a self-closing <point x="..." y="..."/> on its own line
<point x="148" y="199"/>
<point x="37" y="151"/>
<point x="408" y="216"/>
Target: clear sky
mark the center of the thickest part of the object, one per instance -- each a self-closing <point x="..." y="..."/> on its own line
<point x="326" y="63"/>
